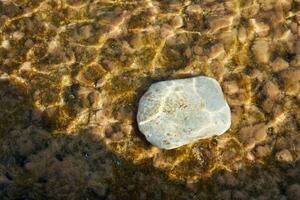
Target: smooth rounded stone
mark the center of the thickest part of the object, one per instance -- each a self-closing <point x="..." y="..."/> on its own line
<point x="177" y="112"/>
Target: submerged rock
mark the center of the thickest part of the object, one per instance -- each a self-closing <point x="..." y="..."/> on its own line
<point x="177" y="112"/>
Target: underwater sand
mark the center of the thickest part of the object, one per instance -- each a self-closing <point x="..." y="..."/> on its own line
<point x="72" y="72"/>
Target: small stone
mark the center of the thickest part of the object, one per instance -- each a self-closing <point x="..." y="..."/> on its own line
<point x="260" y="133"/>
<point x="235" y="120"/>
<point x="86" y="31"/>
<point x="253" y="134"/>
<point x="166" y="30"/>
<point x="217" y="68"/>
<point x="198" y="50"/>
<point x="262" y="151"/>
<point x="178" y="112"/>
<point x="177" y="22"/>
<point x="221" y="22"/>
<point x="291" y="79"/>
<point x="268" y="105"/>
<point x="108" y="65"/>
<point x="231" y="87"/>
<point x="194" y="9"/>
<point x="250" y="144"/>
<point x="260" y="28"/>
<point x="294" y="27"/>
<point x="217" y="50"/>
<point x="188" y="52"/>
<point x="136" y="41"/>
<point x="296" y="48"/>
<point x="279" y="64"/>
<point x="282" y="35"/>
<point x="5" y="44"/>
<point x="282" y="143"/>
<point x="18" y="35"/>
<point x="250" y="156"/>
<point x="108" y="132"/>
<point x="284" y="156"/>
<point x="242" y="34"/>
<point x="271" y="90"/>
<point x="29" y="43"/>
<point x="261" y="50"/>
<point x="26" y="66"/>
<point x="296" y="61"/>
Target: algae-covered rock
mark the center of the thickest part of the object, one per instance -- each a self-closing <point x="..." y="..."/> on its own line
<point x="177" y="112"/>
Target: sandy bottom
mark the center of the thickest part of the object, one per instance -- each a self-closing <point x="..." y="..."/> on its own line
<point x="72" y="72"/>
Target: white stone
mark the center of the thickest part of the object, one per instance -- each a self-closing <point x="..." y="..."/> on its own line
<point x="178" y="112"/>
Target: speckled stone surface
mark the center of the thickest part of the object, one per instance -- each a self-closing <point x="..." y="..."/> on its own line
<point x="177" y="112"/>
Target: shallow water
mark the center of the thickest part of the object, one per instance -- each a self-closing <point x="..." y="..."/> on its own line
<point x="72" y="72"/>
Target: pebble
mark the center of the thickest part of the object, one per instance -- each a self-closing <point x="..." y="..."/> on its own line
<point x="282" y="35"/>
<point x="260" y="133"/>
<point x="26" y="66"/>
<point x="245" y="133"/>
<point x="178" y="112"/>
<point x="257" y="74"/>
<point x="268" y="105"/>
<point x="271" y="90"/>
<point x="282" y="143"/>
<point x="166" y="30"/>
<point x="217" y="68"/>
<point x="231" y="87"/>
<point x="296" y="48"/>
<point x="263" y="151"/>
<point x="5" y="44"/>
<point x="253" y="134"/>
<point x="242" y="34"/>
<point x="284" y="156"/>
<point x="260" y="28"/>
<point x="279" y="64"/>
<point x="220" y="22"/>
<point x="29" y="43"/>
<point x="107" y="65"/>
<point x="177" y="22"/>
<point x="194" y="9"/>
<point x="18" y="35"/>
<point x="188" y="52"/>
<point x="250" y="156"/>
<point x="261" y="50"/>
<point x="291" y="79"/>
<point x="296" y="61"/>
<point x="235" y="119"/>
<point x="217" y="50"/>
<point x="198" y="50"/>
<point x="86" y="31"/>
<point x="136" y="41"/>
<point x="294" y="27"/>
